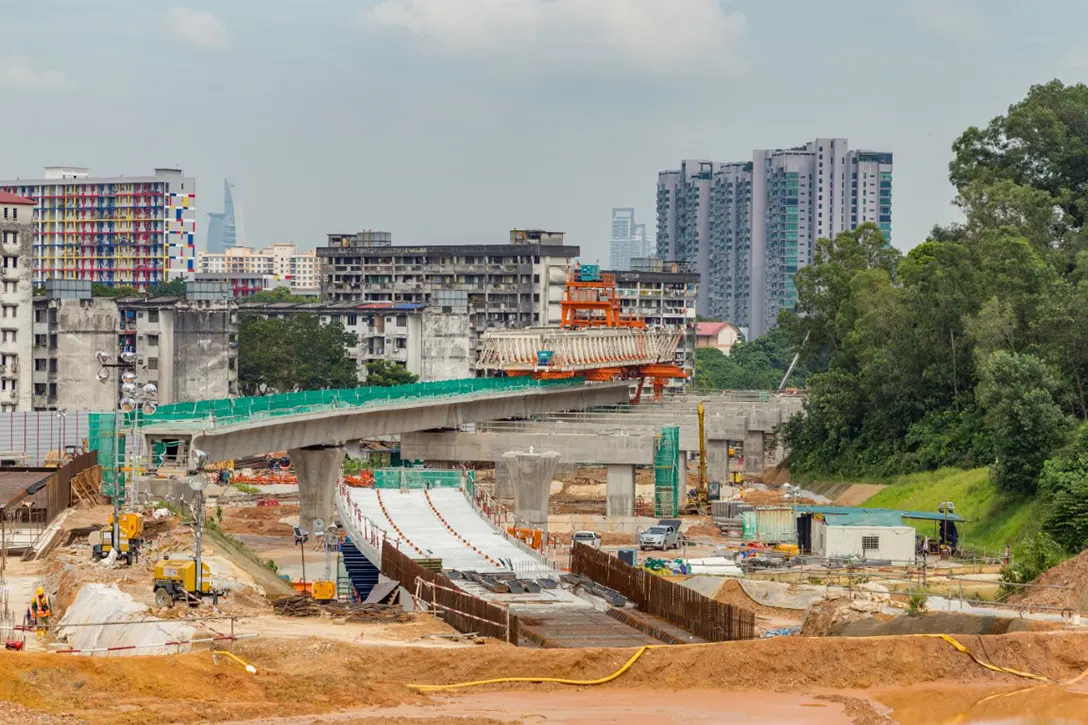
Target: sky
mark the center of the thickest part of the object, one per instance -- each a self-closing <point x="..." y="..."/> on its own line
<point x="453" y="121"/>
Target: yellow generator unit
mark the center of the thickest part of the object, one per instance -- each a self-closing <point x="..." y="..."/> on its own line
<point x="131" y="527"/>
<point x="323" y="591"/>
<point x="175" y="581"/>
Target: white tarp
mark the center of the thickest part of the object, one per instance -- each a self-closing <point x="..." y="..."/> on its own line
<point x="96" y="604"/>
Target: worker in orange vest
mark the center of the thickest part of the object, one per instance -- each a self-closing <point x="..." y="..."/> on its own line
<point x="42" y="611"/>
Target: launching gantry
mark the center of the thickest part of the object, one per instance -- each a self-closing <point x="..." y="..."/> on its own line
<point x="596" y="341"/>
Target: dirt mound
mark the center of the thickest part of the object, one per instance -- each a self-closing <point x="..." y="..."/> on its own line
<point x="312" y="676"/>
<point x="828" y="617"/>
<point x="703" y="530"/>
<point x="943" y="623"/>
<point x="731" y="592"/>
<point x="1070" y="573"/>
<point x="263" y="520"/>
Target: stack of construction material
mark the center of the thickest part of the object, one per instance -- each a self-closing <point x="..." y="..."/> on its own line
<point x="304" y="606"/>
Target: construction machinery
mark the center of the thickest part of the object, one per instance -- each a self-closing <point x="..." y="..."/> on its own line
<point x="324" y="590"/>
<point x="595" y="341"/>
<point x="176" y="581"/>
<point x="131" y="528"/>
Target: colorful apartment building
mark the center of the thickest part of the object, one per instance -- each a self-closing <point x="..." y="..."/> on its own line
<point x="133" y="231"/>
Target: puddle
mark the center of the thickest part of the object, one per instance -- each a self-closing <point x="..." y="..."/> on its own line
<point x="952" y="705"/>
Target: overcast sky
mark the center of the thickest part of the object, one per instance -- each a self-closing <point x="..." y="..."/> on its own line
<point x="451" y="121"/>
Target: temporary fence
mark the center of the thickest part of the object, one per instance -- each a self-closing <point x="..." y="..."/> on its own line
<point x="667" y="472"/>
<point x="460" y="610"/>
<point x="712" y="621"/>
<point x="418" y="478"/>
<point x="28" y="438"/>
<point x="312" y="401"/>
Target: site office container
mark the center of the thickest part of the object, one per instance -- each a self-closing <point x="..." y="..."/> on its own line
<point x="776" y="525"/>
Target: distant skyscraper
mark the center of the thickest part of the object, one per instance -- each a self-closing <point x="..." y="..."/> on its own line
<point x="628" y="240"/>
<point x="749" y="226"/>
<point x="222" y="226"/>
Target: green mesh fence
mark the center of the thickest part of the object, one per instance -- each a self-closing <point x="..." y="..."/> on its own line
<point x="416" y="478"/>
<point x="225" y="410"/>
<point x="667" y="472"/>
<point x="102" y="437"/>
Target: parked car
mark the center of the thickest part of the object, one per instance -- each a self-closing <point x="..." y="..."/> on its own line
<point x="661" y="537"/>
<point x="589" y="538"/>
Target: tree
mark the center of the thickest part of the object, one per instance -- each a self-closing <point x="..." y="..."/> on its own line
<point x="385" y="374"/>
<point x="1015" y="393"/>
<point x="1030" y="558"/>
<point x="173" y="288"/>
<point x="279" y="294"/>
<point x="756" y="365"/>
<point x="101" y="290"/>
<point x="1064" y="482"/>
<point x="297" y="352"/>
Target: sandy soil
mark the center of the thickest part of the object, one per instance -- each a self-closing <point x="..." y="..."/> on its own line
<point x="318" y="676"/>
<point x="261" y="520"/>
<point x="1071" y="573"/>
<point x="594" y="707"/>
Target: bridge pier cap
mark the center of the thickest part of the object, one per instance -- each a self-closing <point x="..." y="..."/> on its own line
<point x="531" y="475"/>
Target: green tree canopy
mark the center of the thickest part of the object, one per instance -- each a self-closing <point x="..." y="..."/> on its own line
<point x="279" y="294"/>
<point x="384" y="374"/>
<point x="756" y="365"/>
<point x="292" y="353"/>
<point x="173" y="288"/>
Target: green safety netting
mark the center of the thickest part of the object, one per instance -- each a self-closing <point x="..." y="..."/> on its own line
<point x="667" y="472"/>
<point x="103" y="437"/>
<point x="416" y="478"/>
<point x="312" y="401"/>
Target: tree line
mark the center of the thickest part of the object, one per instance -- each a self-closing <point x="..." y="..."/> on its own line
<point x="972" y="348"/>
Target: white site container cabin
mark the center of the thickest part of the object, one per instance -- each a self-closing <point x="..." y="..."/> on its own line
<point x="863" y="541"/>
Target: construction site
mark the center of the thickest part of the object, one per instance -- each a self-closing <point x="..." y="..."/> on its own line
<point x="559" y="543"/>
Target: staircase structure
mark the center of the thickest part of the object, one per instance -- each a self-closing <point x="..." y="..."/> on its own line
<point x="363" y="575"/>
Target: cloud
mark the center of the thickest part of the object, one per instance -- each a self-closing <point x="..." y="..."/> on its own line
<point x="958" y="19"/>
<point x="16" y="72"/>
<point x="197" y="27"/>
<point x="647" y="34"/>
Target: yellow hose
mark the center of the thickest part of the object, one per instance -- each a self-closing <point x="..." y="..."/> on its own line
<point x="642" y="650"/>
<point x="249" y="668"/>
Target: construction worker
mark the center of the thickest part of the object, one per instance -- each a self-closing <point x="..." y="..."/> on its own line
<point x="42" y="611"/>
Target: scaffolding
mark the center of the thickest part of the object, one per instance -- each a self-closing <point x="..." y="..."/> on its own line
<point x="667" y="472"/>
<point x="106" y="436"/>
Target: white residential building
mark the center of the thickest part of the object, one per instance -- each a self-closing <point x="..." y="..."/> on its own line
<point x="16" y="301"/>
<point x="280" y="264"/>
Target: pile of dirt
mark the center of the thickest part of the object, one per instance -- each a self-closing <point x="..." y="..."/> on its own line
<point x="1070" y="573"/>
<point x="828" y="617"/>
<point x="262" y="520"/>
<point x="731" y="592"/>
<point x="703" y="530"/>
<point x="956" y="623"/>
<point x="772" y="497"/>
<point x="313" y="676"/>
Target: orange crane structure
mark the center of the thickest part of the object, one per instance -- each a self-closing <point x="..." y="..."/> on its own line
<point x="595" y="341"/>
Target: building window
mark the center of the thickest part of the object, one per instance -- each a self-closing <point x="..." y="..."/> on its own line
<point x="15" y="212"/>
<point x="152" y="340"/>
<point x="39" y="315"/>
<point x="353" y="320"/>
<point x="39" y="388"/>
<point x="402" y="320"/>
<point x="39" y="364"/>
<point x="53" y="365"/>
<point x="402" y="343"/>
<point x="152" y="363"/>
<point x="870" y="543"/>
<point x="153" y="316"/>
<point x="9" y="336"/>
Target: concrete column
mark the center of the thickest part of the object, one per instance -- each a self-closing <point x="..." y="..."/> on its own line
<point x="504" y="480"/>
<point x="684" y="485"/>
<point x="317" y="468"/>
<point x="531" y="476"/>
<point x="753" y="452"/>
<point x="621" y="490"/>
<point x="717" y="461"/>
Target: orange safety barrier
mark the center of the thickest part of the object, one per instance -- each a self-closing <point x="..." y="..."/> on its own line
<point x="363" y="480"/>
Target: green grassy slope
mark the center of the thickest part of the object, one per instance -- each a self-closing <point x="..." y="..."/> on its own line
<point x="991" y="521"/>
